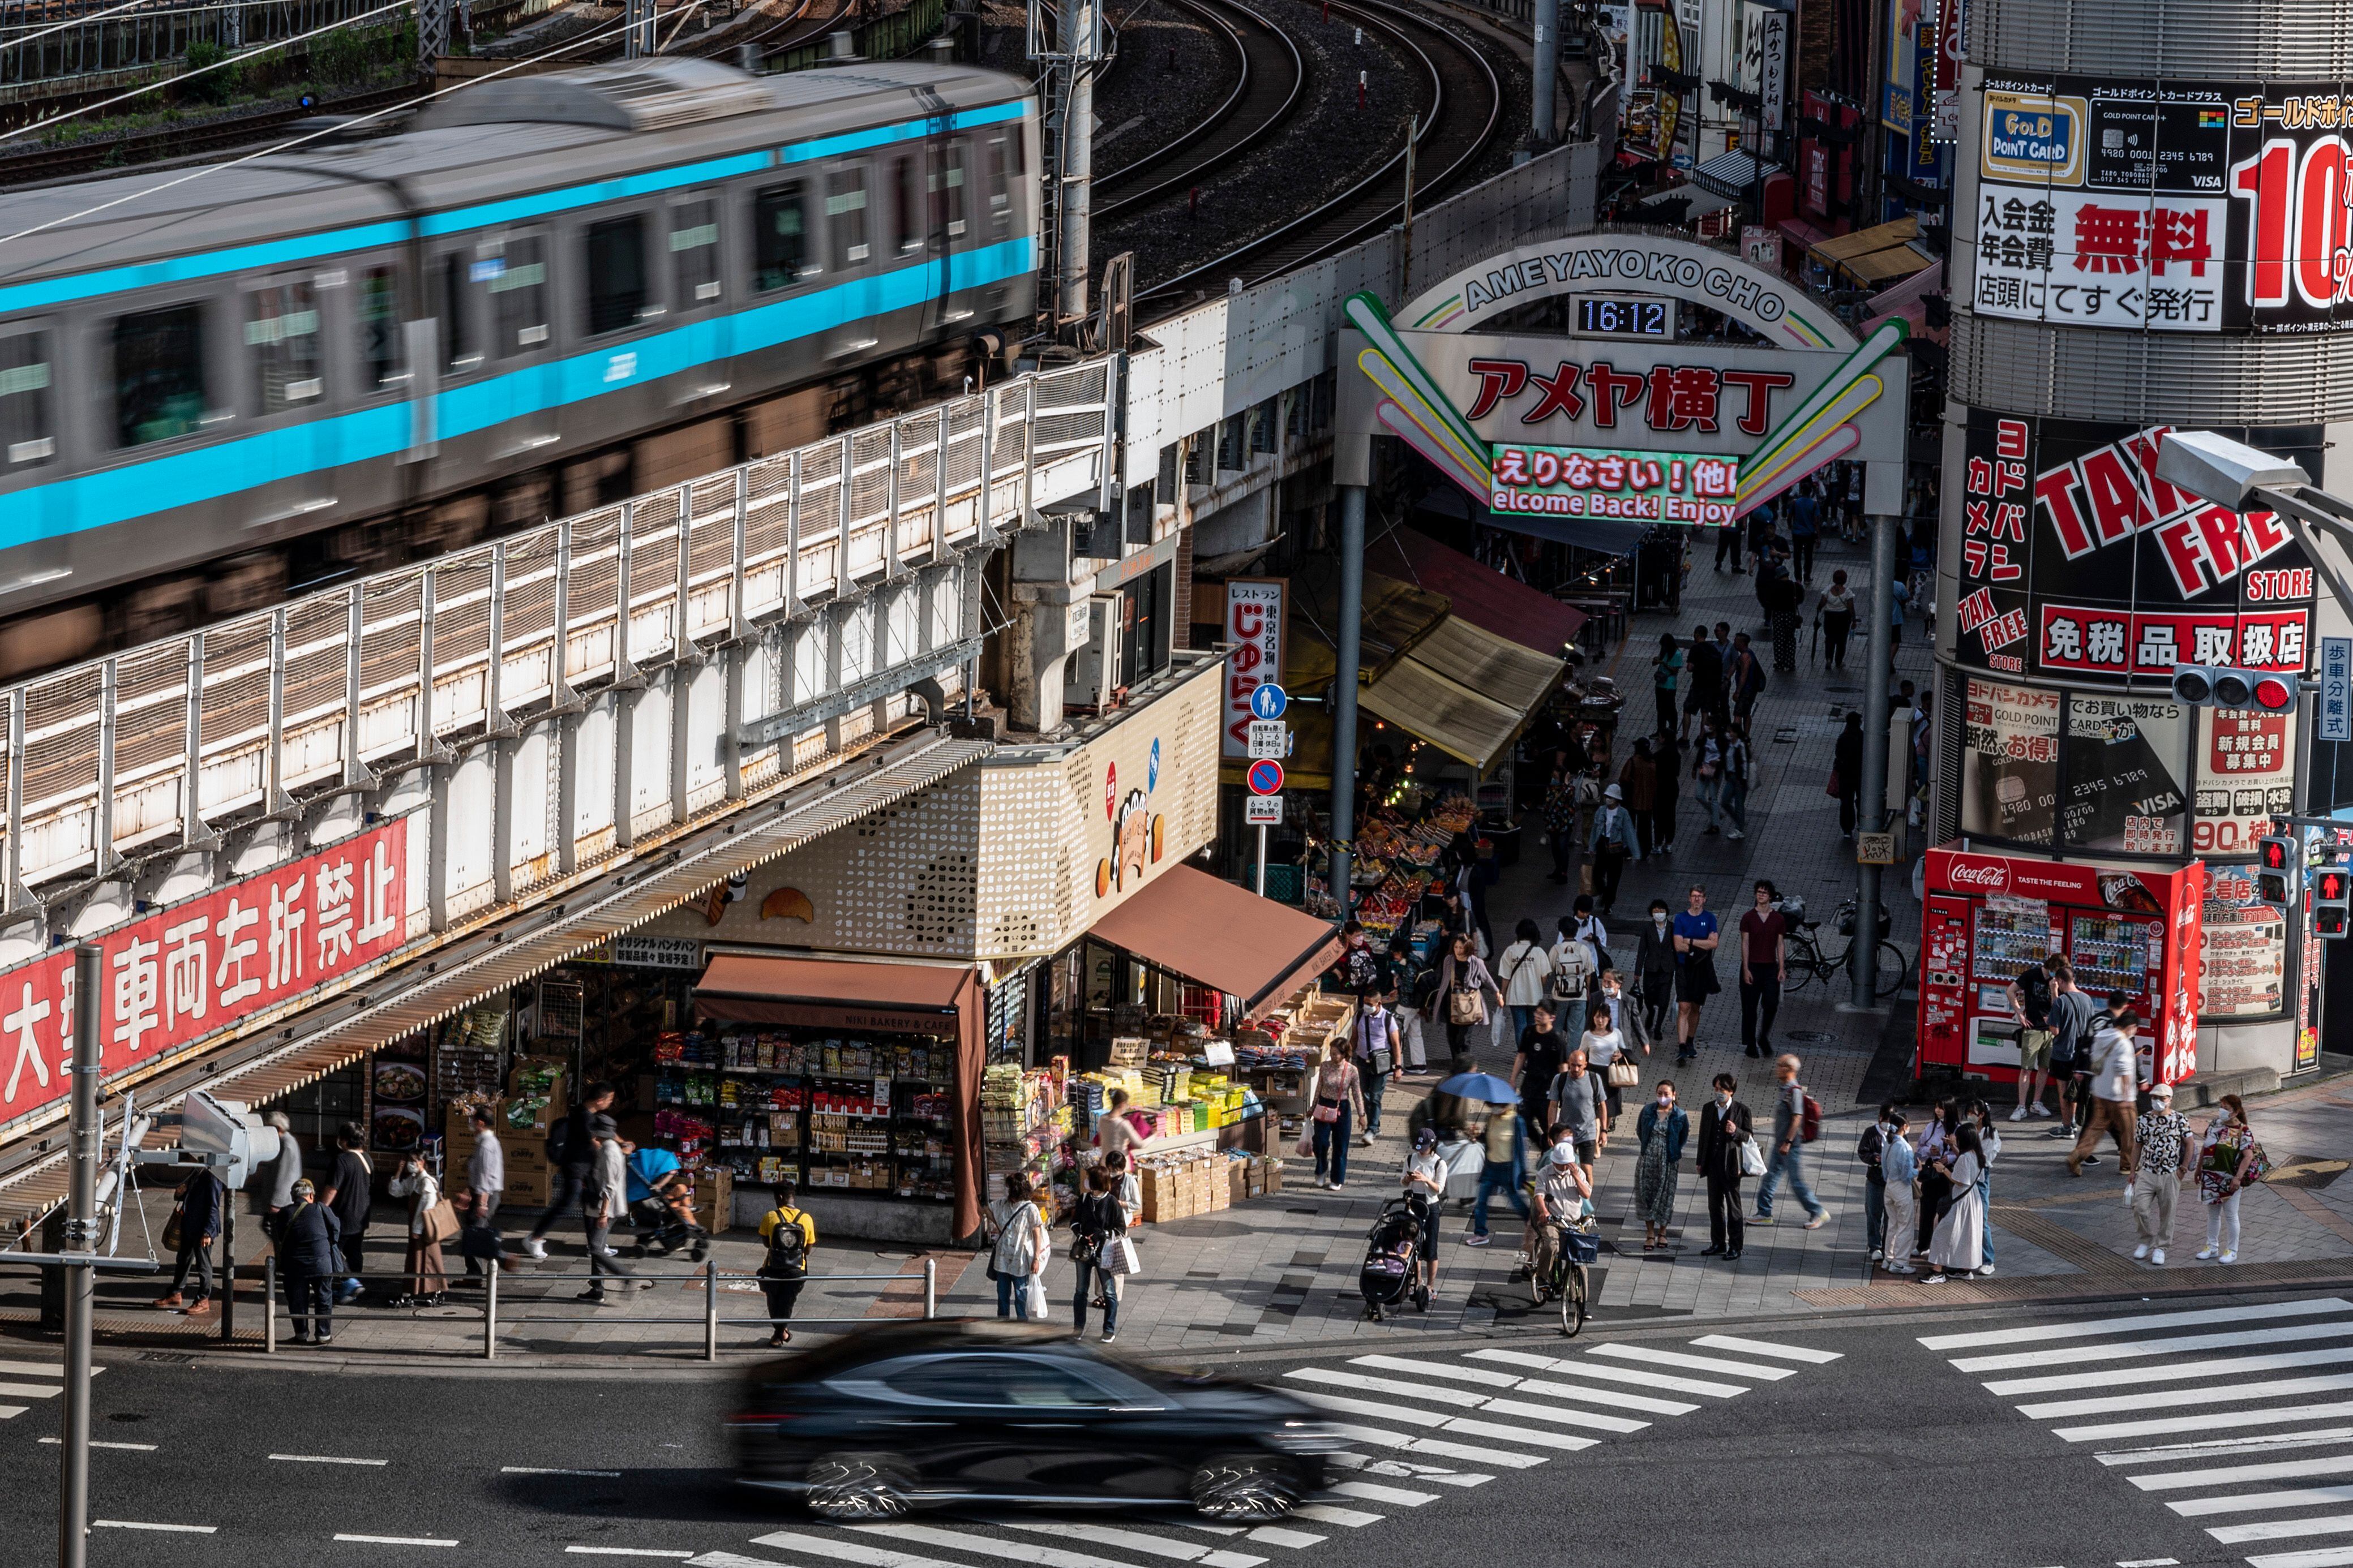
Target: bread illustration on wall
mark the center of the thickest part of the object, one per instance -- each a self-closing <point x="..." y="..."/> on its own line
<point x="789" y="904"/>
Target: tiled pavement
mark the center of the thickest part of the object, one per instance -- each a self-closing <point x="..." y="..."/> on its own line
<point x="1283" y="1269"/>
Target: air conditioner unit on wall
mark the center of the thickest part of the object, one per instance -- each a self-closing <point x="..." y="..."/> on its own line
<point x="1093" y="678"/>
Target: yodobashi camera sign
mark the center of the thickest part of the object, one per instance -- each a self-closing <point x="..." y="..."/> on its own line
<point x="1647" y="487"/>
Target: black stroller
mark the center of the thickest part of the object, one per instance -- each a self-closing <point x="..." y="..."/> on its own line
<point x="1392" y="1267"/>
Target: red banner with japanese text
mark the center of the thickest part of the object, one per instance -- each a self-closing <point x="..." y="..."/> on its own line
<point x="189" y="972"/>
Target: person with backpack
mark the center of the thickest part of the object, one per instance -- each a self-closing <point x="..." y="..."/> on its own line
<point x="790" y="1236"/>
<point x="2029" y="1004"/>
<point x="1871" y="1148"/>
<point x="1098" y="1226"/>
<point x="1613" y="839"/>
<point x="1796" y="1122"/>
<point x="572" y="1155"/>
<point x="1526" y="969"/>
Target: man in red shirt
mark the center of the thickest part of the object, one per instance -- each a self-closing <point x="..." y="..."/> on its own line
<point x="1764" y="965"/>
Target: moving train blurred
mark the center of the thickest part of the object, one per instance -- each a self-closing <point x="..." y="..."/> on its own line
<point x="545" y="293"/>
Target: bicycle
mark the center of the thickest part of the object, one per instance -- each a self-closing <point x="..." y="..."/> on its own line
<point x="1807" y="960"/>
<point x="1558" y="1271"/>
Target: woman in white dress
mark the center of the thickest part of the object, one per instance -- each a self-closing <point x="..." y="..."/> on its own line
<point x="1957" y="1248"/>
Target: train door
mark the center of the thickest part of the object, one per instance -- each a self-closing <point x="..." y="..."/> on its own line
<point x="286" y="395"/>
<point x="523" y="399"/>
<point x="915" y="260"/>
<point x="698" y="288"/>
<point x="952" y="232"/>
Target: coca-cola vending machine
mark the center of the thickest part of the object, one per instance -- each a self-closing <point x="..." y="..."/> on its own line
<point x="2123" y="928"/>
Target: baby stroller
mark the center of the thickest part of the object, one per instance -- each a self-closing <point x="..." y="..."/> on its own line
<point x="1392" y="1267"/>
<point x="665" y="1222"/>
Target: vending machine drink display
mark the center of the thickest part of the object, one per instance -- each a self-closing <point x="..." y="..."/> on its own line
<point x="1989" y="917"/>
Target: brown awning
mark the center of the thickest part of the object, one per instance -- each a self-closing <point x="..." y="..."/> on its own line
<point x="850" y="993"/>
<point x="1187" y="921"/>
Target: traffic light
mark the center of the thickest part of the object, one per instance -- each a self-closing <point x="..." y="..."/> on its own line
<point x="2219" y="686"/>
<point x="2332" y="891"/>
<point x="2275" y="858"/>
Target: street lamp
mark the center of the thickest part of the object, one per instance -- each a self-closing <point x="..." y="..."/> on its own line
<point x="2241" y="479"/>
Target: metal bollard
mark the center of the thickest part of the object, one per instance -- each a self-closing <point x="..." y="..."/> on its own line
<point x="269" y="1305"/>
<point x="931" y="1289"/>
<point x="490" y="1313"/>
<point x="711" y="1310"/>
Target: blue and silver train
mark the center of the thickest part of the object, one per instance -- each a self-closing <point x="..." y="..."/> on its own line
<point x="547" y="291"/>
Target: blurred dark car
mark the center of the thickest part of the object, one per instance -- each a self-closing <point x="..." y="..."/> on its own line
<point x="904" y="1415"/>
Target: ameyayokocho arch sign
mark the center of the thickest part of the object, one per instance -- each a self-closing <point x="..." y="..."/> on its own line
<point x="1664" y="431"/>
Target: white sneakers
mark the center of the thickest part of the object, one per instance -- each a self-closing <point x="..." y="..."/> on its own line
<point x="1876" y="1255"/>
<point x="2140" y="1252"/>
<point x="2206" y="1252"/>
<point x="2018" y="1114"/>
<point x="2231" y="1256"/>
<point x="2158" y="1257"/>
<point x="534" y="1247"/>
<point x="2036" y="1108"/>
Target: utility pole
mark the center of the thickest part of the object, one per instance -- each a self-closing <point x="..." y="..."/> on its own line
<point x="1346" y="652"/>
<point x="1541" y="110"/>
<point x="1405" y="241"/>
<point x="1862" y="953"/>
<point x="1071" y="48"/>
<point x="81" y="1238"/>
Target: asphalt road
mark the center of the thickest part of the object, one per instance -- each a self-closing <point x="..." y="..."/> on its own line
<point x="1846" y="1442"/>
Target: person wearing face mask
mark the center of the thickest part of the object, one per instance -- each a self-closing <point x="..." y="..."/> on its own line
<point x="1660" y="1131"/>
<point x="1654" y="963"/>
<point x="1724" y="1124"/>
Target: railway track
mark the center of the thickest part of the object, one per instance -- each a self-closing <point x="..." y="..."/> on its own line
<point x="1271" y="79"/>
<point x="1461" y="104"/>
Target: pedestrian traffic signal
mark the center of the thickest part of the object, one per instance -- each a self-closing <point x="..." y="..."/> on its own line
<point x="2332" y="893"/>
<point x="2275" y="860"/>
<point x="2219" y="686"/>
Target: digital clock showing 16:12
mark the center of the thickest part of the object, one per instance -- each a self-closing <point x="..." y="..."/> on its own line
<point x="1626" y="318"/>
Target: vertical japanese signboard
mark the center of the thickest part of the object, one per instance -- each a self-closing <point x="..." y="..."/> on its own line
<point x="186" y="974"/>
<point x="1255" y="610"/>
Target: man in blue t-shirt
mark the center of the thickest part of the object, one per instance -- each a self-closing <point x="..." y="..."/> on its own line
<point x="1696" y="936"/>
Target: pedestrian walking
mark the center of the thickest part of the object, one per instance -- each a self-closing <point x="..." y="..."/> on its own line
<point x="1935" y="1152"/>
<point x="1666" y="669"/>
<point x="1707" y="776"/>
<point x="1016" y="1258"/>
<point x="1870" y="1151"/>
<point x="1576" y="965"/>
<point x="1638" y="782"/>
<point x="1582" y="1103"/>
<point x="348" y="1195"/>
<point x="1526" y="970"/>
<point x="2114" y="1066"/>
<point x="2167" y="1154"/>
<point x="1954" y="1246"/>
<point x="1725" y="1128"/>
<point x="1784" y="604"/>
<point x="308" y="1242"/>
<point x="1658" y="1134"/>
<point x="1589" y="930"/>
<point x="790" y="1236"/>
<point x="1460" y="1001"/>
<point x="1737" y="774"/>
<point x="486" y="1186"/>
<point x="1796" y="1122"/>
<point x="1501" y="1144"/>
<point x="1098" y="1232"/>
<point x="1764" y="969"/>
<point x="1339" y="1103"/>
<point x="1697" y="936"/>
<point x="607" y="1203"/>
<point x="1747" y="681"/>
<point x="1542" y="1053"/>
<point x="1805" y="525"/>
<point x="286" y="1169"/>
<point x="1703" y="675"/>
<point x="1667" y="764"/>
<point x="1115" y="1130"/>
<point x="571" y="1157"/>
<point x="198" y="1213"/>
<point x="1612" y="842"/>
<point x="1835" y="615"/>
<point x="429" y="1278"/>
<point x="1373" y="1047"/>
<point x="1559" y="811"/>
<point x="1605" y="1046"/>
<point x="1425" y="1176"/>
<point x="1655" y="965"/>
<point x="2230" y="1161"/>
<point x="1899" y="1173"/>
<point x="1846" y="774"/>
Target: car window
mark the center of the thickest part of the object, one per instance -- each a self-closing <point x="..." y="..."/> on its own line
<point x="1027" y="1381"/>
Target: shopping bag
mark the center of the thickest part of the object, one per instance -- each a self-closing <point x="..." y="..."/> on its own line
<point x="1306" y="1147"/>
<point x="441" y="1222"/>
<point x="1034" y="1298"/>
<point x="1752" y="1158"/>
<point x="172" y="1233"/>
<point x="1120" y="1257"/>
<point x="1623" y="1074"/>
<point x="1584" y="878"/>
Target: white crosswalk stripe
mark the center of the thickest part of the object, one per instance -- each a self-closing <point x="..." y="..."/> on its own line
<point x="1416" y="1425"/>
<point x="12" y="1389"/>
<point x="2173" y="1394"/>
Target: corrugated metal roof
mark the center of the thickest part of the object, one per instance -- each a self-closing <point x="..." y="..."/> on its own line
<point x="1464" y="690"/>
<point x="436" y="984"/>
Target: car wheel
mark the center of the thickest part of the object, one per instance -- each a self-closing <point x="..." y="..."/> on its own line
<point x="1238" y="1488"/>
<point x="847" y="1488"/>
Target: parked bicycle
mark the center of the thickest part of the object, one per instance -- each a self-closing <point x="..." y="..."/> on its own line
<point x="1810" y="960"/>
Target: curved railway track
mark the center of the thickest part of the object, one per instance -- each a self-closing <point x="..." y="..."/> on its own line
<point x="1461" y="107"/>
<point x="1271" y="80"/>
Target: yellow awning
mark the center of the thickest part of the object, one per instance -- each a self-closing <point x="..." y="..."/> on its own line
<point x="1863" y="241"/>
<point x="1884" y="267"/>
<point x="1465" y="690"/>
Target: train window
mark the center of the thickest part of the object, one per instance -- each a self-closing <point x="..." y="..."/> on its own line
<point x="907" y="209"/>
<point x="281" y="329"/>
<point x="1004" y="168"/>
<point x="780" y="243"/>
<point x="694" y="252"/>
<point x="28" y="412"/>
<point x="379" y="303"/>
<point x="845" y="217"/>
<point x="947" y="189"/>
<point x="617" y="273"/>
<point x="459" y="350"/>
<point x="518" y="294"/>
<point x="158" y="375"/>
